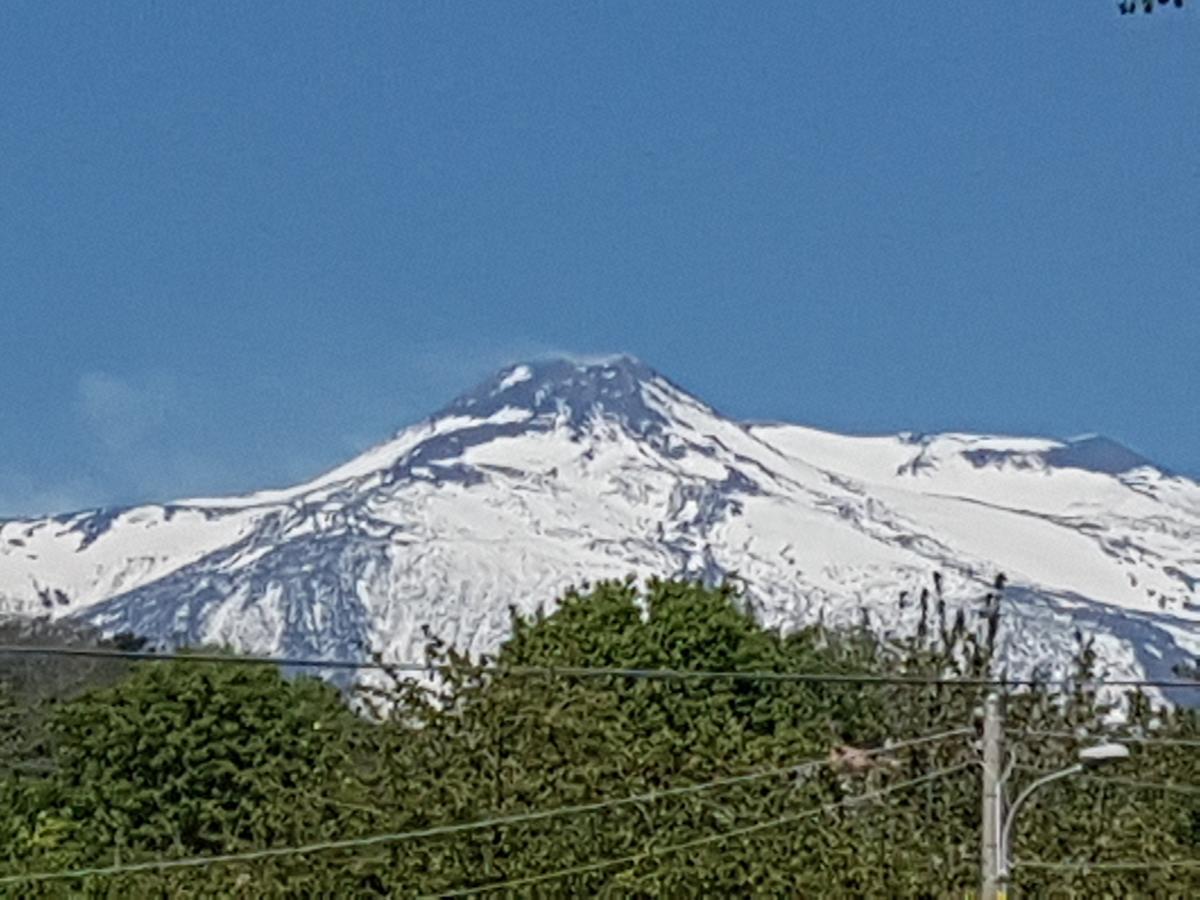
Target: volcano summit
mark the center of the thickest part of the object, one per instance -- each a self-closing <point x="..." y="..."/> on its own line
<point x="556" y="472"/>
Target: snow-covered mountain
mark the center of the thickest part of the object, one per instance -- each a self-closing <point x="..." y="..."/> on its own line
<point x="555" y="472"/>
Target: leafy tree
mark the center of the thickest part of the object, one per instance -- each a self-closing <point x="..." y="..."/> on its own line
<point x="30" y="690"/>
<point x="10" y="728"/>
<point x="184" y="759"/>
<point x="505" y="743"/>
<point x="181" y="759"/>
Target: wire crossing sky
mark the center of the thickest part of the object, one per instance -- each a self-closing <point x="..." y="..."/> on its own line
<point x="238" y="243"/>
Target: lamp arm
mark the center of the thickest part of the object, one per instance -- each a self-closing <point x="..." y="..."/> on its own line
<point x="1006" y="830"/>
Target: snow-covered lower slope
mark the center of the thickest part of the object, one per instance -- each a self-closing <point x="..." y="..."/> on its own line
<point x="555" y="473"/>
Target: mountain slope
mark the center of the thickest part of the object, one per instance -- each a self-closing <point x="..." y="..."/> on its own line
<point x="553" y="473"/>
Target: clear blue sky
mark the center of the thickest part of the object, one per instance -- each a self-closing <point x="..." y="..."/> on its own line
<point x="239" y="242"/>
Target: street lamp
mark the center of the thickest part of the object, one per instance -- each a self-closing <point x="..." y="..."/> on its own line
<point x="1088" y="757"/>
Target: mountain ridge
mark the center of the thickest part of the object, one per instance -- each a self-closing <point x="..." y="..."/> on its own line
<point x="552" y="472"/>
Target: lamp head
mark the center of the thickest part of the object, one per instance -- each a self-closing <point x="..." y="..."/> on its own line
<point x="1103" y="753"/>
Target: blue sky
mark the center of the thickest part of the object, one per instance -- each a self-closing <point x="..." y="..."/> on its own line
<point x="239" y="242"/>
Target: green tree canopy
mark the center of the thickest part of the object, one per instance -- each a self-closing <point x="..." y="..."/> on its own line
<point x="179" y="759"/>
<point x="184" y="759"/>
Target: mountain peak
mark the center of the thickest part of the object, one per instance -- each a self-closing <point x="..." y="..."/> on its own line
<point x="1097" y="453"/>
<point x="564" y="373"/>
<point x="557" y="471"/>
<point x="565" y="388"/>
<point x="1090" y="453"/>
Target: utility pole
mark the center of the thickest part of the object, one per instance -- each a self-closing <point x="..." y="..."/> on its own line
<point x="993" y="754"/>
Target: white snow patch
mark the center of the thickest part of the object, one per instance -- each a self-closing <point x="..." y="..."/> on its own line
<point x="516" y="376"/>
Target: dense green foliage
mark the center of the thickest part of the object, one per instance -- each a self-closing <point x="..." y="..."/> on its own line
<point x="30" y="688"/>
<point x="178" y="760"/>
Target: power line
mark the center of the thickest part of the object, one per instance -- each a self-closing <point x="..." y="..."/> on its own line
<point x="457" y="828"/>
<point x="1124" y="738"/>
<point x="1130" y="866"/>
<point x="648" y="853"/>
<point x="295" y="662"/>
<point x="1170" y="787"/>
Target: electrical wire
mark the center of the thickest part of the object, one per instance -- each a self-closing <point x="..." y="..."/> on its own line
<point x="634" y="858"/>
<point x="1167" y="786"/>
<point x="1130" y="866"/>
<point x="1134" y="865"/>
<point x="1121" y="738"/>
<point x="458" y="828"/>
<point x="296" y="662"/>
